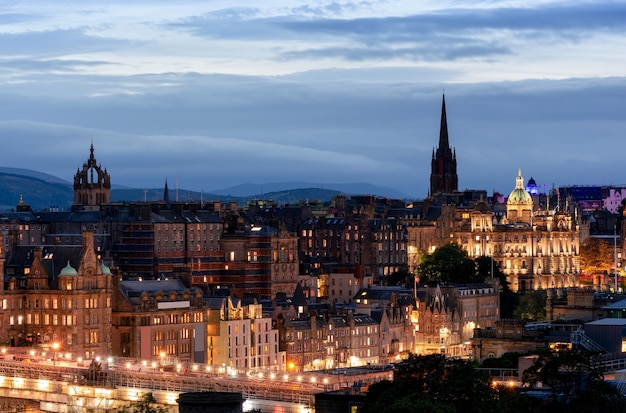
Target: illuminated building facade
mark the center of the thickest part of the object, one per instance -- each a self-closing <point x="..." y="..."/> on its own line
<point x="536" y="246"/>
<point x="57" y="297"/>
<point x="158" y="320"/>
<point x="239" y="336"/>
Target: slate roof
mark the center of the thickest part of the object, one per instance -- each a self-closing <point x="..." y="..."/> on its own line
<point x="133" y="289"/>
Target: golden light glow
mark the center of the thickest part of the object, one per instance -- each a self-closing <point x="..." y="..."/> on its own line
<point x="170" y="398"/>
<point x="101" y="392"/>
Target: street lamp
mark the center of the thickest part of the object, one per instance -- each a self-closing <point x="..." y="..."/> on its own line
<point x="55" y="348"/>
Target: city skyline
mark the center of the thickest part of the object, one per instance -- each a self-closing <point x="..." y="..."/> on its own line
<point x="215" y="94"/>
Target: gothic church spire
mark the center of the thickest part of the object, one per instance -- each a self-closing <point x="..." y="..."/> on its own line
<point x="443" y="176"/>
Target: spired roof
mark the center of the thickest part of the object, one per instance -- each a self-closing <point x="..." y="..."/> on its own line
<point x="68" y="270"/>
<point x="519" y="195"/>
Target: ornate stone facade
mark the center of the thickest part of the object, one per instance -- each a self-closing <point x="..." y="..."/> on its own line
<point x="92" y="185"/>
<point x="53" y="305"/>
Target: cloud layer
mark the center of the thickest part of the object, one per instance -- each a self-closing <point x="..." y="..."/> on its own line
<point x="220" y="93"/>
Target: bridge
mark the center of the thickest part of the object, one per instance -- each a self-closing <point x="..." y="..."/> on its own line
<point x="63" y="387"/>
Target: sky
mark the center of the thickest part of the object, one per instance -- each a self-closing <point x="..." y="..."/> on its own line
<point x="212" y="94"/>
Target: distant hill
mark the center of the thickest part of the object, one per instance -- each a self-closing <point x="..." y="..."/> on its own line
<point x="34" y="174"/>
<point x="36" y="192"/>
<point x="289" y="196"/>
<point x="42" y="191"/>
<point x="261" y="190"/>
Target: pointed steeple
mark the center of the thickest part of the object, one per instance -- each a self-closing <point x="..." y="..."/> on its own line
<point x="443" y="128"/>
<point x="443" y="176"/>
<point x="166" y="193"/>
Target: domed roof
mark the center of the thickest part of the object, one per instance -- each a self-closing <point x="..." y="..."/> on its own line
<point x="519" y="195"/>
<point x="105" y="270"/>
<point x="68" y="270"/>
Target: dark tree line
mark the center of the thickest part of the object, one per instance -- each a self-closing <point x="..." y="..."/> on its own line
<point x="435" y="384"/>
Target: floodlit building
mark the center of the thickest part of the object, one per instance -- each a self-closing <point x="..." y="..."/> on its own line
<point x="57" y="297"/>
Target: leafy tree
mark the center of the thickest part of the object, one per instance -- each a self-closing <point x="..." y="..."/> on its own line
<point x="402" y="277"/>
<point x="574" y="383"/>
<point x="509" y="360"/>
<point x="448" y="263"/>
<point x="145" y="405"/>
<point x="508" y="300"/>
<point x="595" y="255"/>
<point x="532" y="306"/>
<point x="395" y="397"/>
<point x="599" y="398"/>
<point x="433" y="383"/>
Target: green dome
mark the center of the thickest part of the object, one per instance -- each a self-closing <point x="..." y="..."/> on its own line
<point x="105" y="270"/>
<point x="68" y="270"/>
<point x="519" y="195"/>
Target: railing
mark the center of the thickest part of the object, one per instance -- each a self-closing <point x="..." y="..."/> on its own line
<point x="610" y="362"/>
<point x="121" y="382"/>
<point x="578" y="338"/>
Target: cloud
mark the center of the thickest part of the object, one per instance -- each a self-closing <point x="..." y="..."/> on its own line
<point x="217" y="131"/>
<point x="53" y="43"/>
<point x="432" y="36"/>
<point x="334" y="91"/>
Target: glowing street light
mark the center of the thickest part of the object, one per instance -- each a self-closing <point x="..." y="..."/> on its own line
<point x="55" y="348"/>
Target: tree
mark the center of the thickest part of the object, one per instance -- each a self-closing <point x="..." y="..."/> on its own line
<point x="433" y="383"/>
<point x="574" y="383"/>
<point x="509" y="360"/>
<point x="145" y="405"/>
<point x="448" y="263"/>
<point x="402" y="277"/>
<point x="595" y="256"/>
<point x="486" y="267"/>
<point x="532" y="306"/>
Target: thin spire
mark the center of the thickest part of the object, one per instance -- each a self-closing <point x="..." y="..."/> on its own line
<point x="166" y="193"/>
<point x="443" y="129"/>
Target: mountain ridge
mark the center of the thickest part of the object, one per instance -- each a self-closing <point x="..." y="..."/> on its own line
<point x="42" y="191"/>
<point x="361" y="188"/>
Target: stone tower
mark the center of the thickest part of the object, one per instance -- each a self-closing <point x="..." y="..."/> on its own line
<point x="443" y="177"/>
<point x="92" y="185"/>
